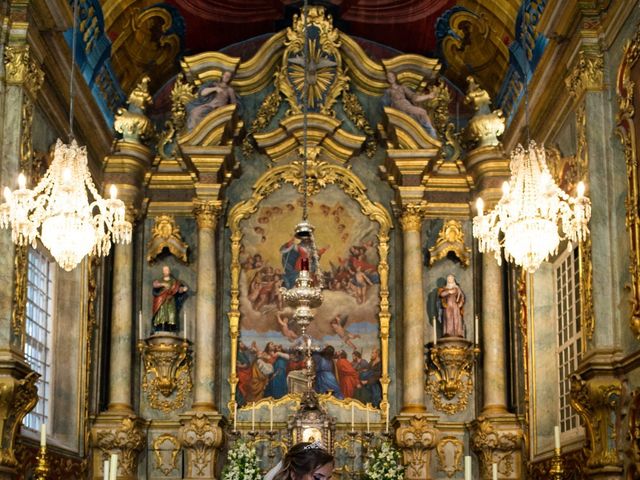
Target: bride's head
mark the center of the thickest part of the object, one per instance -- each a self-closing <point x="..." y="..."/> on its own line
<point x="306" y="461"/>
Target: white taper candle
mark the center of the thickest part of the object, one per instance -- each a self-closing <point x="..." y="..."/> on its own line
<point x="43" y="435"/>
<point x="467" y="467"/>
<point x="556" y="436"/>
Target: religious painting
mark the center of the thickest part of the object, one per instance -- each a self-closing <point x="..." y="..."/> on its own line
<point x="346" y="326"/>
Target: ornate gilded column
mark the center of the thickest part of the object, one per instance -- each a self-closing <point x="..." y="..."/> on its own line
<point x="206" y="213"/>
<point x="19" y="88"/>
<point x="493" y="339"/>
<point x="413" y="398"/>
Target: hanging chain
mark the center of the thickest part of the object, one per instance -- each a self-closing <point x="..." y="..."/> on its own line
<point x="526" y="76"/>
<point x="73" y="66"/>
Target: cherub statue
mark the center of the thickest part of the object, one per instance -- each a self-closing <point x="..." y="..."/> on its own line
<point x="211" y="98"/>
<point x="407" y="101"/>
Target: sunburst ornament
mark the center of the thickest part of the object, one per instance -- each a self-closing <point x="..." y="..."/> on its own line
<point x="321" y="74"/>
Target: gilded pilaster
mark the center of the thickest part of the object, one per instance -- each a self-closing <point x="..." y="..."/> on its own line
<point x="497" y="441"/>
<point x="125" y="436"/>
<point x="413" y="400"/>
<point x="597" y="401"/>
<point x="417" y="439"/>
<point x="201" y="437"/>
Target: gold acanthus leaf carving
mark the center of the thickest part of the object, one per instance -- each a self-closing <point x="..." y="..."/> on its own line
<point x="166" y="234"/>
<point x="625" y="90"/>
<point x="588" y="73"/>
<point x="450" y="240"/>
<point x="128" y="439"/>
<point x="411" y="215"/>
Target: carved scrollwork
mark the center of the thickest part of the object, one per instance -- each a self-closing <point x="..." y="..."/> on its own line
<point x="128" y="439"/>
<point x="166" y="234"/>
<point x="17" y="398"/>
<point x="450" y="382"/>
<point x="166" y="448"/>
<point x="449" y="451"/>
<point x="201" y="436"/>
<point x="416" y="439"/>
<point x="588" y="73"/>
<point x="450" y="240"/>
<point x="625" y="88"/>
<point x="597" y="401"/>
<point x="495" y="445"/>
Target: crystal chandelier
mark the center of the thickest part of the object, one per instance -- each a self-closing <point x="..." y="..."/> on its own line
<point x="58" y="210"/>
<point x="525" y="220"/>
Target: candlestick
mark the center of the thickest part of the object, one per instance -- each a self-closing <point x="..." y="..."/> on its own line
<point x="352" y="418"/>
<point x="140" y="332"/>
<point x="235" y="416"/>
<point x="368" y="429"/>
<point x="435" y="332"/>
<point x="386" y="429"/>
<point x="494" y="471"/>
<point x="476" y="332"/>
<point x="253" y="417"/>
<point x="271" y="417"/>
<point x="467" y="467"/>
<point x="556" y="435"/>
<point x="105" y="473"/>
<point x="43" y="435"/>
<point x="113" y="467"/>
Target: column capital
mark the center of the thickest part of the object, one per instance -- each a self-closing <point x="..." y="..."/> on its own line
<point x="411" y="215"/>
<point x="416" y="437"/>
<point x="207" y="212"/>
<point x="122" y="434"/>
<point x="587" y="74"/>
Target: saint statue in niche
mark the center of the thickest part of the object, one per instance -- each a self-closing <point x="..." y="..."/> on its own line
<point x="169" y="294"/>
<point x="406" y="100"/>
<point x="211" y="98"/>
<point x="452" y="308"/>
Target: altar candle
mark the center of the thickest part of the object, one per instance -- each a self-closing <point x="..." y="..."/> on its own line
<point x="387" y="420"/>
<point x="43" y="435"/>
<point x="271" y="417"/>
<point x="253" y="417"/>
<point x="494" y="469"/>
<point x="235" y="416"/>
<point x="467" y="467"/>
<point x="140" y="324"/>
<point x="105" y="473"/>
<point x="184" y="324"/>
<point x="368" y="429"/>
<point x="476" y="332"/>
<point x="113" y="467"/>
<point x="435" y="332"/>
<point x="352" y="418"/>
<point x="556" y="435"/>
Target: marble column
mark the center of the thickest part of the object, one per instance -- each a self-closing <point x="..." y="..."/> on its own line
<point x="206" y="213"/>
<point x="413" y="400"/>
<point x="121" y="329"/>
<point x="493" y="341"/>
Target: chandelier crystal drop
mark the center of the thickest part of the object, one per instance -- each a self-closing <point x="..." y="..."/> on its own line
<point x="525" y="220"/>
<point x="58" y="210"/>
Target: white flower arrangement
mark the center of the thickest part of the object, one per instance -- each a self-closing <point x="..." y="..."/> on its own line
<point x="384" y="464"/>
<point x="242" y="463"/>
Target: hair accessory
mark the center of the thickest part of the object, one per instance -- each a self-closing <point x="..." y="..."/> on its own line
<point x="317" y="445"/>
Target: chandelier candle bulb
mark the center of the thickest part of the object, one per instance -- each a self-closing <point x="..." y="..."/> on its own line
<point x="22" y="181"/>
<point x="494" y="471"/>
<point x="113" y="191"/>
<point x="556" y="436"/>
<point x="480" y="206"/>
<point x="43" y="435"/>
<point x="105" y="470"/>
<point x="467" y="467"/>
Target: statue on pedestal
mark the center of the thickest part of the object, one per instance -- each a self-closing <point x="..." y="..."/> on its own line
<point x="452" y="308"/>
<point x="169" y="294"/>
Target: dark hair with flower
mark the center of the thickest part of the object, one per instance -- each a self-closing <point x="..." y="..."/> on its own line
<point x="242" y="463"/>
<point x="384" y="464"/>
